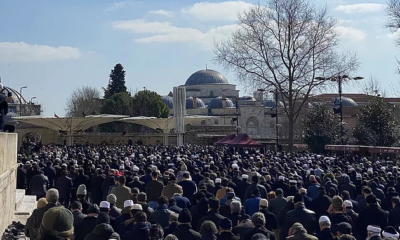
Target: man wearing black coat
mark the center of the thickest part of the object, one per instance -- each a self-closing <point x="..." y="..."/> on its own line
<point x="87" y="225"/>
<point x="185" y="231"/>
<point x="213" y="214"/>
<point x="136" y="183"/>
<point x="394" y="214"/>
<point x="348" y="186"/>
<point x="301" y="215"/>
<point x="258" y="220"/>
<point x="50" y="173"/>
<point x="242" y="186"/>
<point x="97" y="187"/>
<point x="76" y="209"/>
<point x="108" y="182"/>
<point x="64" y="185"/>
<point x="249" y="189"/>
<point x="320" y="204"/>
<point x="372" y="215"/>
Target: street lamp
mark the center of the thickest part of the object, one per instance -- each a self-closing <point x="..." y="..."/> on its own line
<point x="20" y="99"/>
<point x="339" y="79"/>
<point x="32" y="98"/>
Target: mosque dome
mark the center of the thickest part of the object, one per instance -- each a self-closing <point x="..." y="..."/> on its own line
<point x="271" y="103"/>
<point x="346" y="102"/>
<point x="204" y="77"/>
<point x="16" y="97"/>
<point x="199" y="103"/>
<point x="216" y="103"/>
<point x="168" y="101"/>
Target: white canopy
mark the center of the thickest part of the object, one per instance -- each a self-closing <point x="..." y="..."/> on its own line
<point x="163" y="124"/>
<point x="69" y="124"/>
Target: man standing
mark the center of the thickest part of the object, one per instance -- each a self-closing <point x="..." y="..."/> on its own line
<point x="153" y="190"/>
<point x="122" y="192"/>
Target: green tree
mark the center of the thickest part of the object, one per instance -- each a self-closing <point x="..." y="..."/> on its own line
<point x="116" y="83"/>
<point x="376" y="124"/>
<point x="149" y="104"/>
<point x="118" y="104"/>
<point x="322" y="127"/>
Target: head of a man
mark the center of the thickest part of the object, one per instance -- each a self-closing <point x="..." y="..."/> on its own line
<point x="52" y="195"/>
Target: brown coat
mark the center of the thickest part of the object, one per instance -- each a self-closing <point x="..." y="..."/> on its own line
<point x="122" y="193"/>
<point x="170" y="189"/>
<point x="301" y="236"/>
<point x="221" y="193"/>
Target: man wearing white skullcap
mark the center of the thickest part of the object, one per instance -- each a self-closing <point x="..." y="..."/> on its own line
<point x="374" y="232"/>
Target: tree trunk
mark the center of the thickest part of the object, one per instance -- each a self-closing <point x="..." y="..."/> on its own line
<point x="291" y="132"/>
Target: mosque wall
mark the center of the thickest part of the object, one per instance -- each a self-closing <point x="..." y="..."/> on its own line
<point x="8" y="177"/>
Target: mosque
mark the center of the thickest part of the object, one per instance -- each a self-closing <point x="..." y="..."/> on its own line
<point x="209" y="93"/>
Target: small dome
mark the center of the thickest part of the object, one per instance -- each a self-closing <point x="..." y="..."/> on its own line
<point x="216" y="103"/>
<point x="206" y="76"/>
<point x="247" y="99"/>
<point x="199" y="103"/>
<point x="16" y="97"/>
<point x="346" y="102"/>
<point x="168" y="101"/>
<point x="271" y="103"/>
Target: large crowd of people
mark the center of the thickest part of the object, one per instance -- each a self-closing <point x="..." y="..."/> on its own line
<point x="209" y="193"/>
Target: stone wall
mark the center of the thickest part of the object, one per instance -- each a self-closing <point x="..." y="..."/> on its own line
<point x="8" y="177"/>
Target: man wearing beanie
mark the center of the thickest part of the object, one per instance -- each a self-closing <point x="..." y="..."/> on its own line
<point x="87" y="225"/>
<point x="372" y="215"/>
<point x="270" y="218"/>
<point x="103" y="231"/>
<point x="33" y="225"/>
<point x="185" y="231"/>
<point x="325" y="228"/>
<point x="81" y="195"/>
<point x="300" y="214"/>
<point x="57" y="223"/>
<point x="142" y="200"/>
<point x="390" y="233"/>
<point x="114" y="211"/>
<point x="337" y="214"/>
<point x="225" y="227"/>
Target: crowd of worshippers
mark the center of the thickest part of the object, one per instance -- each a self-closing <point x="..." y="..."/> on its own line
<point x="208" y="193"/>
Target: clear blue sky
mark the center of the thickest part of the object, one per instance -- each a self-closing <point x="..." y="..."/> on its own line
<point x="54" y="47"/>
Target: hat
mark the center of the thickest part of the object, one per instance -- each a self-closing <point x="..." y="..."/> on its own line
<point x="281" y="178"/>
<point x="137" y="207"/>
<point x="390" y="232"/>
<point x="264" y="170"/>
<point x="348" y="204"/>
<point x="225" y="223"/>
<point x="337" y="203"/>
<point x="185" y="216"/>
<point x="128" y="203"/>
<point x="112" y="198"/>
<point x="344" y="228"/>
<point x="245" y="176"/>
<point x="293" y="181"/>
<point x="374" y="229"/>
<point x="59" y="220"/>
<point x="235" y="166"/>
<point x="358" y="175"/>
<point x="264" y="203"/>
<point x="218" y="180"/>
<point x="259" y="236"/>
<point x="93" y="209"/>
<point x="142" y="197"/>
<point x="41" y="203"/>
<point x="104" y="204"/>
<point x="135" y="169"/>
<point x="324" y="219"/>
<point x="81" y="190"/>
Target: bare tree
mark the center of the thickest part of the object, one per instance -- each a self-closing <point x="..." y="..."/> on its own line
<point x="373" y="88"/>
<point x="393" y="12"/>
<point x="84" y="101"/>
<point x="283" y="46"/>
